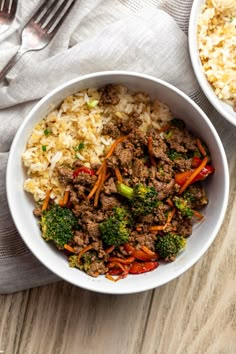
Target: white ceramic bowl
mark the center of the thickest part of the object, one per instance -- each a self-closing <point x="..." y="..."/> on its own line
<point x="223" y="108"/>
<point x="21" y="203"/>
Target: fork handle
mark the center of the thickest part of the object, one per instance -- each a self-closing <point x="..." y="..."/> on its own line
<point x="11" y="63"/>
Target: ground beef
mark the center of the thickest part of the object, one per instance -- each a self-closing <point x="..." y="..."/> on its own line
<point x="110" y="95"/>
<point x="126" y="126"/>
<point x="81" y="238"/>
<point x="159" y="148"/>
<point x="37" y="212"/>
<point x="85" y="179"/>
<point x="140" y="171"/>
<point x="93" y="230"/>
<point x="65" y="175"/>
<point x="109" y="202"/>
<point x="147" y="239"/>
<point x="111" y="129"/>
<point x="110" y="186"/>
<point x="164" y="189"/>
<point x="183" y="164"/>
<point x="184" y="228"/>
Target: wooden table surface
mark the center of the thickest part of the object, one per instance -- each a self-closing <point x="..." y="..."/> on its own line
<point x="194" y="314"/>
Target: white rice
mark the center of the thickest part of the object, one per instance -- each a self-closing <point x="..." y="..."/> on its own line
<point x="217" y="47"/>
<point x="55" y="140"/>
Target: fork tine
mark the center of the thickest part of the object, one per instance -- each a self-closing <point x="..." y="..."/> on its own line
<point x="54" y="19"/>
<point x="47" y="13"/>
<point x="13" y="6"/>
<point x="40" y="10"/>
<point x="6" y="6"/>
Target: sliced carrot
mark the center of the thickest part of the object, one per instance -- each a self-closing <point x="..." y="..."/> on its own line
<point x="110" y="249"/>
<point x="100" y="168"/>
<point x="60" y="202"/>
<point x="148" y="251"/>
<point x="122" y="260"/>
<point x="164" y="128"/>
<point x="193" y="175"/>
<point x="110" y="277"/>
<point x="114" y="145"/>
<point x="69" y="248"/>
<point x="118" y="175"/>
<point x="95" y="187"/>
<point x="170" y="216"/>
<point x="66" y="197"/>
<point x="170" y="203"/>
<point x="46" y="200"/>
<point x="138" y="229"/>
<point x="84" y="250"/>
<point x="197" y="214"/>
<point x="102" y="180"/>
<point x="143" y="256"/>
<point x="200" y="147"/>
<point x="116" y="264"/>
<point x="153" y="162"/>
<point x="128" y="248"/>
<point x="156" y="228"/>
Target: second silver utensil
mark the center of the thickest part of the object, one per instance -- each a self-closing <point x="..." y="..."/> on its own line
<point x="7" y="13"/>
<point x="40" y="29"/>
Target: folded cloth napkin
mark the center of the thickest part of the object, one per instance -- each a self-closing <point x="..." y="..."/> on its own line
<point x="148" y="36"/>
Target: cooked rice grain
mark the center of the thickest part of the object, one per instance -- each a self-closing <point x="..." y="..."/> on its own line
<point x="217" y="47"/>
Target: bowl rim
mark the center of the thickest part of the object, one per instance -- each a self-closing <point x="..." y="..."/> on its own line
<point x="197" y="66"/>
<point x="217" y="225"/>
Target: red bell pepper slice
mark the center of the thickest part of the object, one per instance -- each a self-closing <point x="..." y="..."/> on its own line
<point x="115" y="271"/>
<point x="138" y="267"/>
<point x="180" y="178"/>
<point x="196" y="161"/>
<point x="87" y="170"/>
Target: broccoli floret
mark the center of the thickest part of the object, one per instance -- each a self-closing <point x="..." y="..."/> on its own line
<point x="73" y="261"/>
<point x="84" y="263"/>
<point x="187" y="195"/>
<point x="114" y="230"/>
<point x="169" y="245"/>
<point x="174" y="155"/>
<point x="57" y="225"/>
<point x="143" y="199"/>
<point x="183" y="206"/>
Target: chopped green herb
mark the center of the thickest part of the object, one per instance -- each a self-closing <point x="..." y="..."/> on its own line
<point x="93" y="103"/>
<point x="79" y="147"/>
<point x="44" y="147"/>
<point x="47" y="132"/>
<point x="168" y="135"/>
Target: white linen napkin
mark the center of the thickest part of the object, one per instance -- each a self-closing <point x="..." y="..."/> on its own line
<point x="148" y="36"/>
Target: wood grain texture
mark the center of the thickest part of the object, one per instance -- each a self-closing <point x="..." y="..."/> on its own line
<point x="12" y="313"/>
<point x="64" y="319"/>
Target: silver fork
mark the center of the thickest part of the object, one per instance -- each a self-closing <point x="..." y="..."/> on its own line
<point x="40" y="29"/>
<point x="7" y="13"/>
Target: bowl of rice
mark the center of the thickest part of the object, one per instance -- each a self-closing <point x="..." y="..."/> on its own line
<point x="74" y="136"/>
<point x="212" y="46"/>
